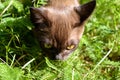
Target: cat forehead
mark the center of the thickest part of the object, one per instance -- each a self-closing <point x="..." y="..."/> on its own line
<point x="59" y="11"/>
<point x="66" y="15"/>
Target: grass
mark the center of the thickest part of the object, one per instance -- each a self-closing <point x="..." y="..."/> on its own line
<point x="97" y="58"/>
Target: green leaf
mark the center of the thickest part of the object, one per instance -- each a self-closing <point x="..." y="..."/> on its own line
<point x="18" y="5"/>
<point x="9" y="73"/>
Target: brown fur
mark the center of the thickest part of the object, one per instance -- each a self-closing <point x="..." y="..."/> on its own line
<point x="62" y="3"/>
<point x="60" y="23"/>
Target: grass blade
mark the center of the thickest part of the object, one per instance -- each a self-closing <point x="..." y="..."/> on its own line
<point x="28" y="63"/>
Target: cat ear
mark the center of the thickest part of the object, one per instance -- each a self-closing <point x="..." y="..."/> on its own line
<point x="86" y="10"/>
<point x="37" y="15"/>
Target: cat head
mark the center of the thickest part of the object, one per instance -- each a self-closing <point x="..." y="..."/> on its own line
<point x="59" y="30"/>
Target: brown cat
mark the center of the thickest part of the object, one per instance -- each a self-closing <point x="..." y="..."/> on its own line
<point x="59" y="26"/>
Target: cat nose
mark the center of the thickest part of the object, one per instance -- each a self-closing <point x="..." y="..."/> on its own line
<point x="54" y="50"/>
<point x="52" y="53"/>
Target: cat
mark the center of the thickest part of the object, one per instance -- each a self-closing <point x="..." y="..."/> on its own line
<point x="59" y="26"/>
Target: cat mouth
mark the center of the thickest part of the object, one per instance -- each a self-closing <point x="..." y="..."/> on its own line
<point x="62" y="56"/>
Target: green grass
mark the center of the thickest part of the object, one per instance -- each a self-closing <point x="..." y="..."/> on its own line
<point x="97" y="58"/>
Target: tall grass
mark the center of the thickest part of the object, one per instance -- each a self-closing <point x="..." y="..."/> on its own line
<point x="97" y="58"/>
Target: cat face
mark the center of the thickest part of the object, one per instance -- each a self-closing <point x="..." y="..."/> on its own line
<point x="59" y="30"/>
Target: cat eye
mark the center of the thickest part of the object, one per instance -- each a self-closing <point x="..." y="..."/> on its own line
<point x="47" y="46"/>
<point x="71" y="47"/>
